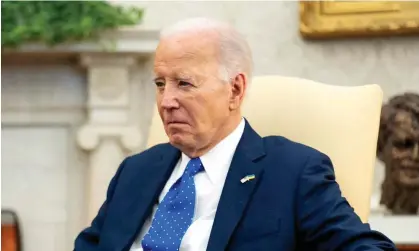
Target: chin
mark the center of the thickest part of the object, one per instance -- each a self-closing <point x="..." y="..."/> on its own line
<point x="175" y="141"/>
<point x="408" y="179"/>
<point x="178" y="140"/>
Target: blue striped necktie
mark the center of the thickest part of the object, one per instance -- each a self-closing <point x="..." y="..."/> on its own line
<point x="175" y="213"/>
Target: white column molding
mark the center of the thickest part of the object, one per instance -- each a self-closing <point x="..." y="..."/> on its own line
<point x="109" y="133"/>
<point x="108" y="87"/>
<point x="89" y="136"/>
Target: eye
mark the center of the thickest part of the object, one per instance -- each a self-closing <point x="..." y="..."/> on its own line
<point x="404" y="144"/>
<point x="184" y="83"/>
<point x="159" y="84"/>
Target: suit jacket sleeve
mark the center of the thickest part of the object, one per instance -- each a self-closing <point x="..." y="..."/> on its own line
<point x="88" y="239"/>
<point x="326" y="221"/>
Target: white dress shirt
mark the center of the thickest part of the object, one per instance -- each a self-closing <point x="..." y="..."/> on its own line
<point x="208" y="184"/>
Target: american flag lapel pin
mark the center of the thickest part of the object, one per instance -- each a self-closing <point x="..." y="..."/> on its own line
<point x="247" y="178"/>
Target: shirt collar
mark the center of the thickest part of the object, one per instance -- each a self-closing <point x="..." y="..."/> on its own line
<point x="217" y="161"/>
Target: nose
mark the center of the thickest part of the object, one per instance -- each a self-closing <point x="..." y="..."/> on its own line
<point x="169" y="98"/>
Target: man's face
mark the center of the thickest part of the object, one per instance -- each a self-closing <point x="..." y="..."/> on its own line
<point x="192" y="101"/>
<point x="401" y="154"/>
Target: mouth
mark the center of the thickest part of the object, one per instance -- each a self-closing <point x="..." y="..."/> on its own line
<point x="409" y="175"/>
<point x="176" y="123"/>
<point x="410" y="171"/>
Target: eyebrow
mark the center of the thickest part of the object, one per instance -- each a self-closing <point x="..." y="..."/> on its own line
<point x="157" y="79"/>
<point x="180" y="76"/>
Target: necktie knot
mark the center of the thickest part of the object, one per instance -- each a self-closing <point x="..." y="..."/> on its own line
<point x="194" y="166"/>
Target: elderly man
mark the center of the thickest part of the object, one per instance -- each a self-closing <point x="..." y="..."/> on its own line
<point x="218" y="185"/>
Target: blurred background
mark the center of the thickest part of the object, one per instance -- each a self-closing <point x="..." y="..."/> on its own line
<point x="73" y="111"/>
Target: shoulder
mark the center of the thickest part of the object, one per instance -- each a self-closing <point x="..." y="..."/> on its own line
<point x="150" y="154"/>
<point x="292" y="166"/>
<point x="289" y="149"/>
<point x="292" y="157"/>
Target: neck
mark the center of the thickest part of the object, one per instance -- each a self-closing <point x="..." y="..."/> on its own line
<point x="226" y="129"/>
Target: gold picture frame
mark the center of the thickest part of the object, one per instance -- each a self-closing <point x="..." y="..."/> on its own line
<point x="332" y="19"/>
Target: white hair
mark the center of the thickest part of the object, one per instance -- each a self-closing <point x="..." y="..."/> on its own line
<point x="235" y="53"/>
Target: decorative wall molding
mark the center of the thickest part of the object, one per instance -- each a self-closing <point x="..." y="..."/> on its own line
<point x="135" y="39"/>
<point x="108" y="80"/>
<point x="89" y="136"/>
<point x="332" y="19"/>
<point x="41" y="117"/>
<point x="108" y="133"/>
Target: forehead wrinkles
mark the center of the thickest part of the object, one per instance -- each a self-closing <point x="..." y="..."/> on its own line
<point x="185" y="62"/>
<point x="184" y="68"/>
<point x="201" y="45"/>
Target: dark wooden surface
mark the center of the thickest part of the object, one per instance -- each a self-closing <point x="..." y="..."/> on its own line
<point x="408" y="247"/>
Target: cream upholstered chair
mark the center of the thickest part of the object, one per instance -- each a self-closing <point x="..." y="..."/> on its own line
<point x="342" y="122"/>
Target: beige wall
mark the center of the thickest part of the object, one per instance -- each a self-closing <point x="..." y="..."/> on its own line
<point x="272" y="31"/>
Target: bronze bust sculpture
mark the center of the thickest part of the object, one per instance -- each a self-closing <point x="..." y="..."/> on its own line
<point x="398" y="148"/>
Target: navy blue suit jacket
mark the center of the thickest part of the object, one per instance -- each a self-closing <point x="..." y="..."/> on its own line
<point x="294" y="203"/>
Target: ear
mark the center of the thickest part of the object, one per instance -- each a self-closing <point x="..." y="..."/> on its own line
<point x="238" y="89"/>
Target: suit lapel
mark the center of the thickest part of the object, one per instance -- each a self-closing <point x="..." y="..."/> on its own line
<point x="236" y="195"/>
<point x="146" y="188"/>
